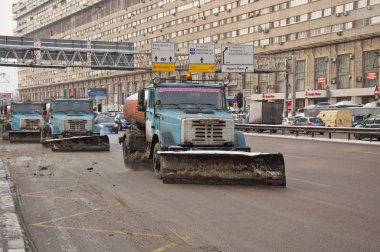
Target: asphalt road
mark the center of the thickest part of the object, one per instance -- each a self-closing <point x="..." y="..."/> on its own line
<point x="88" y="201"/>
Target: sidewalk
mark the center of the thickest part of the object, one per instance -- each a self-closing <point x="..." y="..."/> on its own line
<point x="11" y="234"/>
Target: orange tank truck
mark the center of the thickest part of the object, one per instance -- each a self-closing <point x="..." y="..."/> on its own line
<point x="131" y="113"/>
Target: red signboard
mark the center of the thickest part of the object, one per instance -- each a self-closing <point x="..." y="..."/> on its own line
<point x="264" y="96"/>
<point x="289" y="105"/>
<point x="321" y="83"/>
<point x="371" y="76"/>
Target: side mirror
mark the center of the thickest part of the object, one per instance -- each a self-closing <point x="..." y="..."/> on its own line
<point x="141" y="100"/>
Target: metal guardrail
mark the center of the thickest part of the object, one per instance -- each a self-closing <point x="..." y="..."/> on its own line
<point x="374" y="133"/>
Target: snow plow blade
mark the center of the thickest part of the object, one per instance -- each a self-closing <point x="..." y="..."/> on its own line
<point x="82" y="143"/>
<point x="27" y="136"/>
<point x="222" y="167"/>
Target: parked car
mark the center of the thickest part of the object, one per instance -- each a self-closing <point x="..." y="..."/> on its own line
<point x="288" y="121"/>
<point x="323" y="105"/>
<point x="346" y="104"/>
<point x="336" y="118"/>
<point x="309" y="121"/>
<point x="121" y="122"/>
<point x="107" y="124"/>
<point x="358" y="119"/>
<point x="372" y="104"/>
<point x="372" y="122"/>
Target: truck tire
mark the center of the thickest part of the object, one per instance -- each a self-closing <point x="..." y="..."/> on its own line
<point x="156" y="160"/>
<point x="44" y="136"/>
<point x="126" y="151"/>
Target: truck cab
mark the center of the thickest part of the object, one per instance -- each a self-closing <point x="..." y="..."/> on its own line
<point x="71" y="117"/>
<point x="186" y="115"/>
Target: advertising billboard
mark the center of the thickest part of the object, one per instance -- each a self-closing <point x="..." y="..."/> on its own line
<point x="5" y="95"/>
<point x="97" y="93"/>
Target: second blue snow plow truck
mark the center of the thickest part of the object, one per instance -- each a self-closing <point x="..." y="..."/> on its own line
<point x="71" y="126"/>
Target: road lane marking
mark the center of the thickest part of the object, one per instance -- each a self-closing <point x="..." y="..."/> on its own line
<point x="52" y="197"/>
<point x="53" y="189"/>
<point x="294" y="156"/>
<point x="372" y="153"/>
<point x="48" y="224"/>
<point x="74" y="215"/>
<point x="308" y="182"/>
<point x="170" y="245"/>
<point x="106" y="231"/>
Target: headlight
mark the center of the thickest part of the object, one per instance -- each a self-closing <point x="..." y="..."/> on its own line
<point x="101" y="125"/>
<point x="116" y="125"/>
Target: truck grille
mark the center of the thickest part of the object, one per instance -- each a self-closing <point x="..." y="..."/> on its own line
<point x="75" y="125"/>
<point x="211" y="132"/>
<point x="28" y="123"/>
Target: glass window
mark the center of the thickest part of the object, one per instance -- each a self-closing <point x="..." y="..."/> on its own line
<point x="280" y="82"/>
<point x="320" y="66"/>
<point x="316" y="14"/>
<point x="344" y="71"/>
<point x="263" y="83"/>
<point x="300" y="75"/>
<point x="371" y="72"/>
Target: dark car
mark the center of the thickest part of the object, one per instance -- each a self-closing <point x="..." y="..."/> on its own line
<point x="372" y="122"/>
<point x="107" y="124"/>
<point x="323" y="105"/>
<point x="309" y="121"/>
<point x="358" y="119"/>
<point x="121" y="122"/>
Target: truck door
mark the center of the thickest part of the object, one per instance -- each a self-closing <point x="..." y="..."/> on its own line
<point x="149" y="123"/>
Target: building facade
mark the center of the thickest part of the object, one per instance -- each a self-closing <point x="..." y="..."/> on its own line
<point x="336" y="44"/>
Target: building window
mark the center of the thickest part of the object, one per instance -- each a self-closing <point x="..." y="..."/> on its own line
<point x="344" y="71"/>
<point x="370" y="67"/>
<point x="263" y="83"/>
<point x="280" y="82"/>
<point x="320" y="66"/>
<point x="300" y="75"/>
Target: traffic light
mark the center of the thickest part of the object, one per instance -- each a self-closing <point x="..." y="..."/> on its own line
<point x="240" y="99"/>
<point x="189" y="76"/>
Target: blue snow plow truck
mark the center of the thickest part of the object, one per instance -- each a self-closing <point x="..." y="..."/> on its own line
<point x="71" y="126"/>
<point x="25" y="122"/>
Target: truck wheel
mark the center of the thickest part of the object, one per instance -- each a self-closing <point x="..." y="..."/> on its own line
<point x="44" y="135"/>
<point x="156" y="160"/>
<point x="126" y="151"/>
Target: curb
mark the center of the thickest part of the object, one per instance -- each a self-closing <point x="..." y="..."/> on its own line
<point x="11" y="234"/>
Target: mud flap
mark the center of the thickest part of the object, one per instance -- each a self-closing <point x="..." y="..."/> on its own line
<point x="82" y="143"/>
<point x="222" y="167"/>
<point x="32" y="136"/>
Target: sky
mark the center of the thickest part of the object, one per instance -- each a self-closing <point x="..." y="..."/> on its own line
<point x="6" y="29"/>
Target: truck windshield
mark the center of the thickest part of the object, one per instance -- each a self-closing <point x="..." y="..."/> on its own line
<point x="201" y="97"/>
<point x="26" y="108"/>
<point x="73" y="107"/>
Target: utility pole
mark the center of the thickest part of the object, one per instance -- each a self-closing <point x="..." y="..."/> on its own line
<point x="294" y="65"/>
<point x="286" y="90"/>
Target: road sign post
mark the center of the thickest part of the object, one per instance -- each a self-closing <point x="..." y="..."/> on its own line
<point x="237" y="59"/>
<point x="163" y="57"/>
<point x="201" y="58"/>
